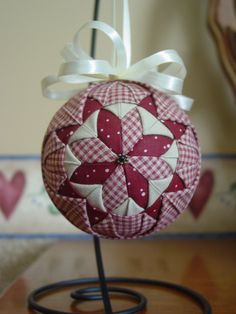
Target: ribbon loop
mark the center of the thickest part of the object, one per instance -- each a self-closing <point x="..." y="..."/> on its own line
<point x="80" y="68"/>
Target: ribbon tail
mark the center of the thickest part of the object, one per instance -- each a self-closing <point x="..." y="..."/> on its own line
<point x="166" y="83"/>
<point x="48" y="81"/>
<point x="185" y="103"/>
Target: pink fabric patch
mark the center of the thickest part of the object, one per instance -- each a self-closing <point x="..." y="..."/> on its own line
<point x="148" y="223"/>
<point x="167" y="216"/>
<point x="106" y="228"/>
<point x="151" y="145"/>
<point x="127" y="226"/>
<point x="174" y="113"/>
<point x="114" y="191"/>
<point x="131" y="130"/>
<point x="109" y="130"/>
<point x="168" y="109"/>
<point x="53" y="168"/>
<point x="152" y="168"/>
<point x="180" y="199"/>
<point x="79" y="217"/>
<point x="188" y="174"/>
<point x="92" y="150"/>
<point x="51" y="145"/>
<point x="65" y="203"/>
<point x="73" y="209"/>
<point x="71" y="113"/>
<point x="187" y="156"/>
<point x="62" y="118"/>
<point x="53" y="180"/>
<point x="93" y="173"/>
<point x="55" y="162"/>
<point x="117" y="92"/>
<point x="137" y="186"/>
<point x="189" y="139"/>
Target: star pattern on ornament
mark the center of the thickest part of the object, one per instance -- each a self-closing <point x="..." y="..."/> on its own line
<point x="120" y="160"/>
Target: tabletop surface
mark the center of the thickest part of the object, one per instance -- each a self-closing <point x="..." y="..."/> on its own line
<point x="206" y="266"/>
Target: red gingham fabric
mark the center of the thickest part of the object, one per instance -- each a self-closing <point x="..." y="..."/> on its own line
<point x="173" y="113"/>
<point x="55" y="162"/>
<point x="118" y="92"/>
<point x="189" y="139"/>
<point x="187" y="156"/>
<point x="51" y="145"/>
<point x="64" y="202"/>
<point x="168" y="109"/>
<point x="54" y="180"/>
<point x="71" y="113"/>
<point x="100" y="169"/>
<point x="73" y="209"/>
<point x="148" y="223"/>
<point x="127" y="226"/>
<point x="114" y="189"/>
<point x="168" y="215"/>
<point x="91" y="150"/>
<point x="152" y="168"/>
<point x="131" y="130"/>
<point x="179" y="199"/>
<point x="106" y="227"/>
<point x="188" y="174"/>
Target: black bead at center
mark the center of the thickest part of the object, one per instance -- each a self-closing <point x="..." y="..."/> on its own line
<point x="122" y="159"/>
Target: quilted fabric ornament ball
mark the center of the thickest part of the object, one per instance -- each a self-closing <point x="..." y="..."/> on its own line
<point x="121" y="160"/>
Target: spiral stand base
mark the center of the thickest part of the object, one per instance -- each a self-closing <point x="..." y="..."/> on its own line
<point x="103" y="292"/>
<point x="94" y="293"/>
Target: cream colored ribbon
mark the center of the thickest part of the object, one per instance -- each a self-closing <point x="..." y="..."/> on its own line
<point x="80" y="68"/>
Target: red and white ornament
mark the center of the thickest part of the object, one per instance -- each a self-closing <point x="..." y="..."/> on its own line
<point x="121" y="160"/>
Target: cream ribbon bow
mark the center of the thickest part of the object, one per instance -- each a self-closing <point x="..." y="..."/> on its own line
<point x="80" y="68"/>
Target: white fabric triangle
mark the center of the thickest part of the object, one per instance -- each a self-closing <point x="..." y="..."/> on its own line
<point x="172" y="152"/>
<point x="70" y="162"/>
<point x="151" y="125"/>
<point x="86" y="130"/>
<point x="120" y="109"/>
<point x="171" y="156"/>
<point x="85" y="189"/>
<point x="171" y="161"/>
<point x="95" y="198"/>
<point x="156" y="187"/>
<point x="128" y="208"/>
<point x="93" y="193"/>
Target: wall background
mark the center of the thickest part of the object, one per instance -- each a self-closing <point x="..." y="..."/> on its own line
<point x="33" y="32"/>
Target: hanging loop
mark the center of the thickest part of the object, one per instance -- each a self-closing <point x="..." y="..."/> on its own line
<point x="79" y="67"/>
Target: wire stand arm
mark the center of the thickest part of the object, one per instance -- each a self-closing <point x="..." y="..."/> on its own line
<point x="102" y="279"/>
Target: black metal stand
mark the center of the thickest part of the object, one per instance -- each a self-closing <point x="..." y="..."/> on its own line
<point x="102" y="291"/>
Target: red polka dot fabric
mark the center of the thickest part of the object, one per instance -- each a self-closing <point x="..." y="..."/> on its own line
<point x="121" y="160"/>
